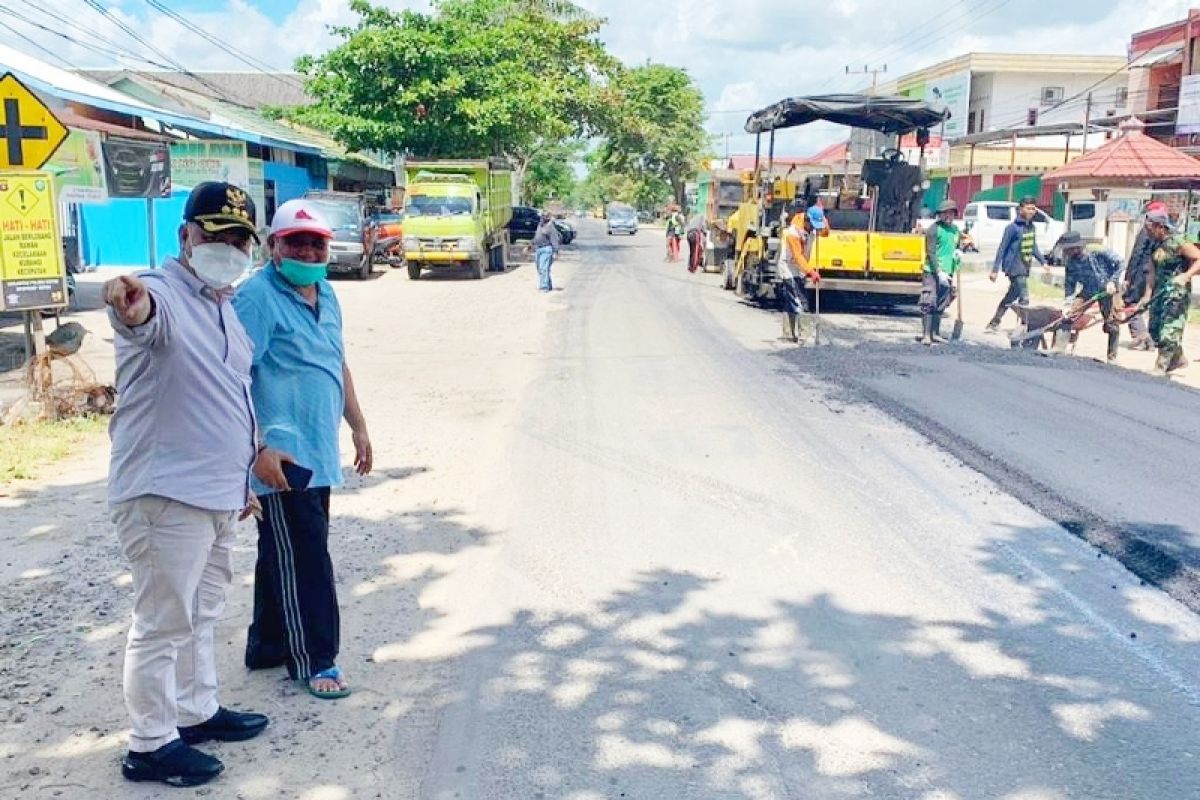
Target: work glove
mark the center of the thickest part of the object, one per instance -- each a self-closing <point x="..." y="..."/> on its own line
<point x="1110" y="288"/>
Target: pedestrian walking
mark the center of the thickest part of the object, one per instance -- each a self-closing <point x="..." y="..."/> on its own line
<point x="1133" y="283"/>
<point x="1018" y="250"/>
<point x="1169" y="290"/>
<point x="695" y="241"/>
<point x="675" y="224"/>
<point x="942" y="260"/>
<point x="302" y="390"/>
<point x="183" y="441"/>
<point x="791" y="265"/>
<point x="546" y="241"/>
<point x="1088" y="274"/>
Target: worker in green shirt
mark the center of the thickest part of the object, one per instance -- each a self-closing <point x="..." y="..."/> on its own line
<point x="942" y="260"/>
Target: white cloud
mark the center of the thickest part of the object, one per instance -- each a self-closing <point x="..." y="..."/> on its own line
<point x="743" y="55"/>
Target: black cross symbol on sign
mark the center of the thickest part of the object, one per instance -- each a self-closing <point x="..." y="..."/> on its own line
<point x="14" y="133"/>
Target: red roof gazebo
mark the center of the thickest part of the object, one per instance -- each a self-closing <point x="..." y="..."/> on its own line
<point x="1131" y="160"/>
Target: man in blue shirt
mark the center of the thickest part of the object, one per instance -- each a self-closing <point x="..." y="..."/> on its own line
<point x="302" y="389"/>
<point x="1018" y="250"/>
<point x="1088" y="274"/>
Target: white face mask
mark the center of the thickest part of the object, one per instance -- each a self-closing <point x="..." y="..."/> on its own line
<point x="218" y="264"/>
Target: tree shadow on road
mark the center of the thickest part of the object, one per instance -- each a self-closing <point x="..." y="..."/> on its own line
<point x="64" y="610"/>
<point x="653" y="696"/>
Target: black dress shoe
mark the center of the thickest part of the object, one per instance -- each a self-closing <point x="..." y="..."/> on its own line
<point x="225" y="726"/>
<point x="174" y="764"/>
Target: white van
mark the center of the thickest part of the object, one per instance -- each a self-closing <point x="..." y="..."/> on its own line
<point x="986" y="220"/>
<point x="1081" y="217"/>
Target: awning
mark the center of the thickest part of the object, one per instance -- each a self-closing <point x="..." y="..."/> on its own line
<point x="1024" y="132"/>
<point x="1154" y="58"/>
<point x="888" y="114"/>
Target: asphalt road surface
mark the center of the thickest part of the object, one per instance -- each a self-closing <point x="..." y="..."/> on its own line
<point x="724" y="576"/>
<point x="623" y="543"/>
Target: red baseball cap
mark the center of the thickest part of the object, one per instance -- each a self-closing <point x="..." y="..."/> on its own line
<point x="300" y="216"/>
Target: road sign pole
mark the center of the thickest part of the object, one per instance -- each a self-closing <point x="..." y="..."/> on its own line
<point x="150" y="231"/>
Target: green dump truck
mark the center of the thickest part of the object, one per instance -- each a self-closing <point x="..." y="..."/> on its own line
<point x="456" y="214"/>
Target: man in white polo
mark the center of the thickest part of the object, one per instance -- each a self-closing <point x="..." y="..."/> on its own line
<point x="183" y="441"/>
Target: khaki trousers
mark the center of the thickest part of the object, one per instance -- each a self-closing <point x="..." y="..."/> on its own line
<point x="180" y="559"/>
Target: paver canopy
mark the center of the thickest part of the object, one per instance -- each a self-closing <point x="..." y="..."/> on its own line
<point x="890" y="114"/>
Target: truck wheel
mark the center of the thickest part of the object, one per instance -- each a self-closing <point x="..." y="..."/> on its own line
<point x="364" y="269"/>
<point x="414" y="271"/>
<point x="478" y="265"/>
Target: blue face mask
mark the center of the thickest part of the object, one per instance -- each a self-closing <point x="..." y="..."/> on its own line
<point x="301" y="273"/>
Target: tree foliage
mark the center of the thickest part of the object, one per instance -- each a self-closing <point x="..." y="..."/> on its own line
<point x="658" y="135"/>
<point x="472" y="78"/>
<point x="551" y="174"/>
<point x="605" y="184"/>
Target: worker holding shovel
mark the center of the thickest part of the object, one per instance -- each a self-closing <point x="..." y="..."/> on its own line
<point x="942" y="260"/>
<point x="1090" y="276"/>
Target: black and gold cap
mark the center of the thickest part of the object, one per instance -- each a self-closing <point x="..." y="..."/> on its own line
<point x="218" y="206"/>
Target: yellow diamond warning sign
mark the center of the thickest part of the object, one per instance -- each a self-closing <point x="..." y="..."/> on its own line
<point x="22" y="200"/>
<point x="29" y="132"/>
<point x="32" y="273"/>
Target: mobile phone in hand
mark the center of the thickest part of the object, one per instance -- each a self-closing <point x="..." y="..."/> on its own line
<point x="298" y="477"/>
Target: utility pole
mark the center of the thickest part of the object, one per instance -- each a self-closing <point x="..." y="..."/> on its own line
<point x="868" y="70"/>
<point x="1087" y="122"/>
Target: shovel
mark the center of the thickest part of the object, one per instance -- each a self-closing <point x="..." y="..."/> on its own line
<point x="956" y="334"/>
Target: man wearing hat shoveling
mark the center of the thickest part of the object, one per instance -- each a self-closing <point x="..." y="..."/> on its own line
<point x="942" y="241"/>
<point x="1087" y="275"/>
<point x="1169" y="290"/>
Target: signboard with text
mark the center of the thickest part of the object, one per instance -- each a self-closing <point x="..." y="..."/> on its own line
<point x="137" y="168"/>
<point x="78" y="169"/>
<point x="198" y="160"/>
<point x="32" y="272"/>
<point x="952" y="92"/>
<point x="1188" y="119"/>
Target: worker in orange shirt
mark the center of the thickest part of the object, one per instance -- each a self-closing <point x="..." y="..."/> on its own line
<point x="790" y="268"/>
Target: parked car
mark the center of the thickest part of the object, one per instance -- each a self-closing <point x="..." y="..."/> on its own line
<point x="622" y="219"/>
<point x="986" y="220"/>
<point x="566" y="230"/>
<point x="352" y="249"/>
<point x="524" y="223"/>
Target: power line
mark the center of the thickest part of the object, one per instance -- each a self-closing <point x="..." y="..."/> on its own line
<point x="30" y="41"/>
<point x="1112" y="74"/>
<point x="117" y="49"/>
<point x="104" y="12"/>
<point x="245" y="58"/>
<point x="937" y="33"/>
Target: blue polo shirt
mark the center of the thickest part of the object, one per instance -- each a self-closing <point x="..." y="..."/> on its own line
<point x="296" y="374"/>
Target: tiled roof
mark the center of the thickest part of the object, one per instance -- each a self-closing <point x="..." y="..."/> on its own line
<point x="1132" y="156"/>
<point x="832" y="153"/>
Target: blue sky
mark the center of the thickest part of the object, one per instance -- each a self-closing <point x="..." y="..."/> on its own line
<point x="742" y="60"/>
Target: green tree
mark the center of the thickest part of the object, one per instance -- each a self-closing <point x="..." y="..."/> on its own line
<point x="657" y="134"/>
<point x="473" y="78"/>
<point x="605" y="183"/>
<point x="551" y="174"/>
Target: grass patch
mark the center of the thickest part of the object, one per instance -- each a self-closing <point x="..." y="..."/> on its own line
<point x="25" y="450"/>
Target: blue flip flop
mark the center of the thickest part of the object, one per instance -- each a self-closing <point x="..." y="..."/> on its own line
<point x="333" y="674"/>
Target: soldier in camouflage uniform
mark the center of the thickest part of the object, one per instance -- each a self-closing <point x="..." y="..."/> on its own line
<point x="1169" y="289"/>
